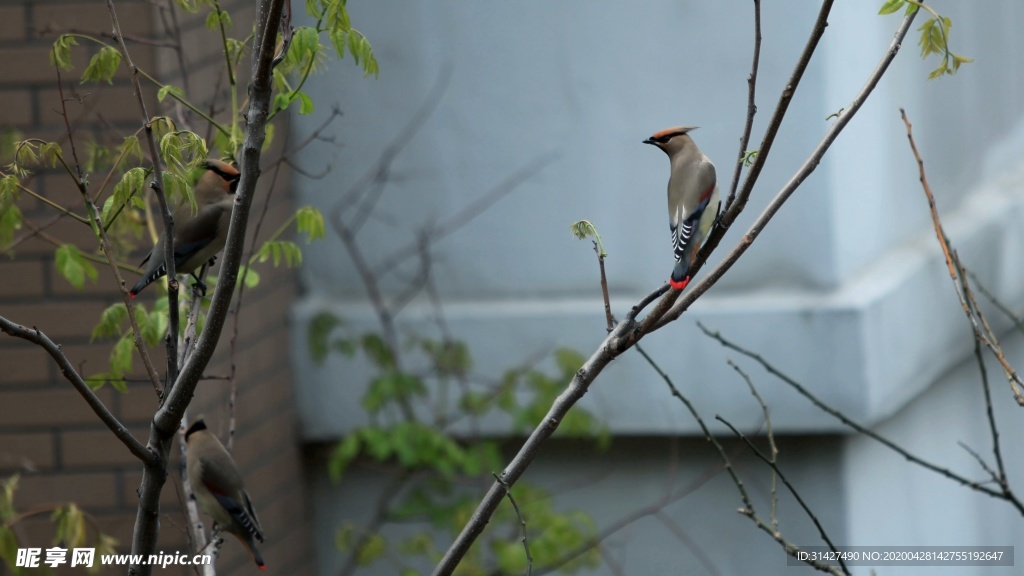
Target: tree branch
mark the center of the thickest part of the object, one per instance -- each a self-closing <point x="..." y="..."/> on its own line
<point x="803" y="391"/>
<point x="158" y="188"/>
<point x="167" y="419"/>
<point x="802" y="174"/>
<point x="627" y="333"/>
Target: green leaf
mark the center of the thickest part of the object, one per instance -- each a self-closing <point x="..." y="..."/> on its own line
<point x="249" y="277"/>
<point x="236" y="49"/>
<point x="10" y="222"/>
<point x="97" y="381"/>
<point x="310" y="221"/>
<point x="890" y="6"/>
<point x="450" y="358"/>
<point x="70" y="529"/>
<point x="318" y="334"/>
<point x="130" y="185"/>
<point x="110" y="322"/>
<point x="10" y="485"/>
<point x="378" y="351"/>
<point x="279" y="250"/>
<point x="97" y="156"/>
<point x="130" y="148"/>
<point x="51" y="153"/>
<point x="9" y="189"/>
<point x="121" y="362"/>
<point x="344" y="453"/>
<point x="374" y="548"/>
<point x="305" y="103"/>
<point x="102" y="66"/>
<point x="153" y="325"/>
<point x="268" y="131"/>
<point x="9" y="549"/>
<point x="391" y="387"/>
<point x="218" y="18"/>
<point x="73" y="266"/>
<point x="167" y="90"/>
<point x="60" y="56"/>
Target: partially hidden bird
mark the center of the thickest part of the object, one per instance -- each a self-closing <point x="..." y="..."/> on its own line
<point x="200" y="234"/>
<point x="219" y="489"/>
<point x="693" y="201"/>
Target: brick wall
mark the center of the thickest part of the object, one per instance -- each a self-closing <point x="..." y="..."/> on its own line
<point x="47" y="433"/>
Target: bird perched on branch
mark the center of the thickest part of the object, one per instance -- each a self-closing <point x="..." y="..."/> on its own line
<point x="198" y="235"/>
<point x="218" y="488"/>
<point x="692" y="197"/>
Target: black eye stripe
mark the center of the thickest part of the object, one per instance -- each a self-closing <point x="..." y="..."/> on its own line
<point x="665" y="137"/>
<point x="229" y="176"/>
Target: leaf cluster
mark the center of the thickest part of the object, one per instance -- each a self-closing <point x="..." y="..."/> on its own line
<point x="71" y="530"/>
<point x="934" y="37"/>
<point x="438" y="458"/>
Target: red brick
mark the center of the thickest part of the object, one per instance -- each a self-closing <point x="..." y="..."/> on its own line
<point x="168" y="496"/>
<point x="261" y="357"/>
<point x="21" y="278"/>
<point x="60" y="320"/>
<point x="91" y="448"/>
<point x="31" y="64"/>
<point x="48" y="407"/>
<point x="22" y="364"/>
<point x="100" y="104"/>
<point x="17" y="108"/>
<point x="91" y="18"/>
<point x="253" y="445"/>
<point x="88" y="490"/>
<point x="12" y="23"/>
<point x="25" y="452"/>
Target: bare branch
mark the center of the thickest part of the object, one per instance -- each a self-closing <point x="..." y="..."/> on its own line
<point x="807" y="509"/>
<point x="982" y="331"/>
<point x="751" y="109"/>
<point x="627" y="333"/>
<point x="1004" y="494"/>
<point x="158" y="188"/>
<point x="167" y="419"/>
<point x="100" y="231"/>
<point x="655" y="322"/>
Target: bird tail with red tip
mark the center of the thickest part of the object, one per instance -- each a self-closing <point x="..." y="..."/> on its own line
<point x="680" y="276"/>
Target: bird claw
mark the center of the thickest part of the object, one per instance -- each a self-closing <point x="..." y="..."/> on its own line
<point x="199" y="285"/>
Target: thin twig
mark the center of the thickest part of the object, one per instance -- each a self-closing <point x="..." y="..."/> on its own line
<point x="751" y="108"/>
<point x="604" y="289"/>
<point x="158" y="188"/>
<point x="522" y="523"/>
<point x="627" y="333"/>
<point x="774" y="450"/>
<point x="770" y="461"/>
<point x="656" y="322"/>
<point x="96" y="223"/>
<point x="748" y="506"/>
<point x="979" y="324"/>
<point x="999" y="494"/>
<point x="167" y="419"/>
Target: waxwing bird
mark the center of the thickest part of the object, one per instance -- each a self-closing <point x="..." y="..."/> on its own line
<point x="692" y="197"/>
<point x="199" y="235"/>
<point x="218" y="488"/>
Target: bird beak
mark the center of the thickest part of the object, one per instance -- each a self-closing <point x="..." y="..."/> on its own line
<point x="649" y="141"/>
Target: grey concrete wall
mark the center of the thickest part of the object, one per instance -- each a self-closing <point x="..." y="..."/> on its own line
<point x="845" y="290"/>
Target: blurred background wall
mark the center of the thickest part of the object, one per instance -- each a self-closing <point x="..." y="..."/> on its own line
<point x="846" y="290"/>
